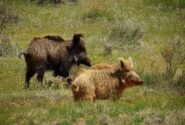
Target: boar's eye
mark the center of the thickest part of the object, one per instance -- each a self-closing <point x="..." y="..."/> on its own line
<point x="126" y="70"/>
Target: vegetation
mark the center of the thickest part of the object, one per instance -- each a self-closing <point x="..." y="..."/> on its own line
<point x="150" y="31"/>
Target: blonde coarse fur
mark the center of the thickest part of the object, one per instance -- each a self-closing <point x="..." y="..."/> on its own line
<point x="101" y="81"/>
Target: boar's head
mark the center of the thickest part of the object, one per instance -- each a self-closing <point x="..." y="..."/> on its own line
<point x="78" y="51"/>
<point x="132" y="79"/>
<point x="129" y="76"/>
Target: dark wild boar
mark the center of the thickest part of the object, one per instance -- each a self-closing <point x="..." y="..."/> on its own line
<point x="55" y="54"/>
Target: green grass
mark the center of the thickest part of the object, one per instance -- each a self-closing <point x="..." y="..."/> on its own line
<point x="46" y="106"/>
<point x="95" y="19"/>
<point x="167" y="3"/>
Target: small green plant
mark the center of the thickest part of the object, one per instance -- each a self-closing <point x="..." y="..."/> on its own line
<point x="166" y="3"/>
<point x="150" y="79"/>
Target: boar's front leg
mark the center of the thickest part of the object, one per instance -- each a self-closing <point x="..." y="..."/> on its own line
<point x="40" y="74"/>
<point x="61" y="71"/>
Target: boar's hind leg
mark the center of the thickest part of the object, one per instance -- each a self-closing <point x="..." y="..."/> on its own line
<point x="29" y="74"/>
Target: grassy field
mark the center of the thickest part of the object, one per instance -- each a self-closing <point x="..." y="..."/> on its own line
<point x="136" y="28"/>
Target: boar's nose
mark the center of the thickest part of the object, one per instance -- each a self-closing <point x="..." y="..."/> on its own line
<point x="89" y="64"/>
<point x="140" y="82"/>
<point x="85" y="62"/>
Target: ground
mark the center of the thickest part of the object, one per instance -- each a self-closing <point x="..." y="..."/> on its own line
<point x="156" y="102"/>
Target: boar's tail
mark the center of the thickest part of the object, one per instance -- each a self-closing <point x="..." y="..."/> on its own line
<point x="22" y="53"/>
<point x="75" y="88"/>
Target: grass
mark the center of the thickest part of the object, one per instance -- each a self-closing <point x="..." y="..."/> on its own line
<point x="48" y="106"/>
<point x="156" y="102"/>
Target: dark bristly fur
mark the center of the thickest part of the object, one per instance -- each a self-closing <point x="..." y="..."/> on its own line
<point x="43" y="54"/>
<point x="55" y="38"/>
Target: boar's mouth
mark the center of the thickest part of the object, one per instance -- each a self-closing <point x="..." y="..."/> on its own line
<point x="134" y="82"/>
<point x="140" y="82"/>
<point x="85" y="61"/>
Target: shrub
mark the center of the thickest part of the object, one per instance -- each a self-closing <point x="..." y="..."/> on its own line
<point x="97" y="9"/>
<point x="125" y="34"/>
<point x="179" y="77"/>
<point x="107" y="49"/>
<point x="94" y="14"/>
<point x="127" y="31"/>
<point x="174" y="56"/>
<point x="7" y="16"/>
<point x="6" y="47"/>
<point x="151" y="68"/>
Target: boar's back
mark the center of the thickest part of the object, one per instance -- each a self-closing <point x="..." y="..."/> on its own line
<point x="55" y="38"/>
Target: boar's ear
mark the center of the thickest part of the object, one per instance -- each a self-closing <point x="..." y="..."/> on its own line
<point x="75" y="58"/>
<point x="131" y="61"/>
<point x="76" y="38"/>
<point x="122" y="62"/>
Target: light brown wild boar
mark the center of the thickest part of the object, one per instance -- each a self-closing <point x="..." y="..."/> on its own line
<point x="104" y="81"/>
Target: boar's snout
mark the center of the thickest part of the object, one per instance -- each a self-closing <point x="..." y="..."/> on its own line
<point x="87" y="62"/>
<point x="83" y="59"/>
<point x="139" y="82"/>
<point x="133" y="78"/>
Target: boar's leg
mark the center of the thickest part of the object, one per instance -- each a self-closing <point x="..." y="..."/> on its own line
<point x="65" y="74"/>
<point x="40" y="75"/>
<point x="56" y="73"/>
<point x="29" y="74"/>
<point x="61" y="73"/>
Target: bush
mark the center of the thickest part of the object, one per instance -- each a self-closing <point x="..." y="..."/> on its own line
<point x="125" y="34"/>
<point x="107" y="49"/>
<point x="7" y="16"/>
<point x="179" y="77"/>
<point x="6" y="47"/>
<point x="127" y="31"/>
<point x="174" y="56"/>
<point x="97" y="9"/>
<point x="94" y="14"/>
